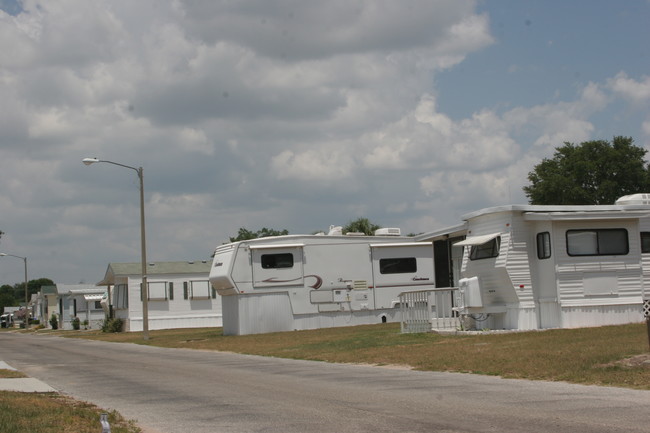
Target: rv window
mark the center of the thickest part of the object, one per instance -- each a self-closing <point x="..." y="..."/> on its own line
<point x="597" y="242"/>
<point x="645" y="242"/>
<point x="276" y="261"/>
<point x="543" y="245"/>
<point x="401" y="265"/>
<point x="485" y="251"/>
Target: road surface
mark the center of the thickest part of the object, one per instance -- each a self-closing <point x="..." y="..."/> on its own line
<point x="180" y="391"/>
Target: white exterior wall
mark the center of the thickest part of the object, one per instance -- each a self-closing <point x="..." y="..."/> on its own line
<point x="334" y="281"/>
<point x="624" y="274"/>
<point x="169" y="313"/>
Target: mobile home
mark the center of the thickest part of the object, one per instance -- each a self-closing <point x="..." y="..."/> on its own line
<point x="315" y="281"/>
<point x="536" y="267"/>
<point x="178" y="295"/>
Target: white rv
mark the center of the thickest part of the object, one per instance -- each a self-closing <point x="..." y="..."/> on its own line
<point x="535" y="267"/>
<point x="316" y="281"/>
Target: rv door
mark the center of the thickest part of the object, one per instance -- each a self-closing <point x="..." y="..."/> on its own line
<point x="277" y="265"/>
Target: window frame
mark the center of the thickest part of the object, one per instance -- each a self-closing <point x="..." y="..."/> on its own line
<point x="479" y="252"/>
<point x="645" y="239"/>
<point x="598" y="233"/>
<point x="398" y="265"/>
<point x="543" y="245"/>
<point x="277" y="261"/>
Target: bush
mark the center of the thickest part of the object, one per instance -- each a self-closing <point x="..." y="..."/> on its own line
<point x="113" y="325"/>
<point x="54" y="322"/>
<point x="76" y="324"/>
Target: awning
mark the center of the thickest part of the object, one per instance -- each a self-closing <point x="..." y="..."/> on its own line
<point x="477" y="240"/>
<point x="94" y="297"/>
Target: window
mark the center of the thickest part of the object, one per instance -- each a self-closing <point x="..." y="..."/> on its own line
<point x="277" y="261"/>
<point x="186" y="292"/>
<point x="157" y="290"/>
<point x="645" y="242"/>
<point x="543" y="245"/>
<point x="121" y="297"/>
<point x="597" y="242"/>
<point x="485" y="251"/>
<point x="171" y="291"/>
<point x="200" y="289"/>
<point x="400" y="265"/>
<point x="98" y="305"/>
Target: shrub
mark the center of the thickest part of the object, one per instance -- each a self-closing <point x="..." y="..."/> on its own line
<point x="54" y="322"/>
<point x="113" y="325"/>
<point x="76" y="324"/>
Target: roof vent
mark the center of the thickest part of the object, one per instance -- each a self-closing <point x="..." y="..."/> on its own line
<point x="335" y="231"/>
<point x="388" y="232"/>
<point x="634" y="199"/>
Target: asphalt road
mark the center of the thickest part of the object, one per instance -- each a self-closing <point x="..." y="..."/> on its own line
<point x="178" y="390"/>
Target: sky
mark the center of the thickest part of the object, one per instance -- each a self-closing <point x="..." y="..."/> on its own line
<point x="291" y="114"/>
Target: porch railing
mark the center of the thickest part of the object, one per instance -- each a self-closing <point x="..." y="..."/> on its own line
<point x="427" y="310"/>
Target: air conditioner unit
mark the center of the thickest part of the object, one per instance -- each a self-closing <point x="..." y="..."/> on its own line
<point x="471" y="292"/>
<point x="388" y="232"/>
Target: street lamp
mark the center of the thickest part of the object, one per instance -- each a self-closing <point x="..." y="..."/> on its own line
<point x="26" y="319"/>
<point x="143" y="245"/>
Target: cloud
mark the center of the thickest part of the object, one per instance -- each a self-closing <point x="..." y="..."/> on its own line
<point x="287" y="114"/>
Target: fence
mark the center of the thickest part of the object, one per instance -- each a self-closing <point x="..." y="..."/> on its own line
<point x="426" y="310"/>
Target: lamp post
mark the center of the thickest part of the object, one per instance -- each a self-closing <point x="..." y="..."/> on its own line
<point x="143" y="245"/>
<point x="26" y="319"/>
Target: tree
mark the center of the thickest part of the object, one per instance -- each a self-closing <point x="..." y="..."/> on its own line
<point x="33" y="286"/>
<point x="245" y="234"/>
<point x="593" y="172"/>
<point x="361" y="225"/>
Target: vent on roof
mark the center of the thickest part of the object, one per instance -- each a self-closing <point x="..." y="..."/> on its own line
<point x="388" y="232"/>
<point x="634" y="199"/>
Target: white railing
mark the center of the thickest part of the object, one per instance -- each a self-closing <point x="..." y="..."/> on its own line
<point x="427" y="310"/>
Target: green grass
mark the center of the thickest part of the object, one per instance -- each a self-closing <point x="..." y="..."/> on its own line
<point x="599" y="356"/>
<point x="54" y="413"/>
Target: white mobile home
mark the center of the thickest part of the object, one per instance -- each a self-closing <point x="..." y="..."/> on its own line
<point x="316" y="281"/>
<point x="535" y="267"/>
<point x="179" y="295"/>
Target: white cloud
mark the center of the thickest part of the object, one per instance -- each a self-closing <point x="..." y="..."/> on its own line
<point x="292" y="114"/>
<point x="635" y="91"/>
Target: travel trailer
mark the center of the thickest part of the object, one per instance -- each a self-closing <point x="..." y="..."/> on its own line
<point x="535" y="267"/>
<point x="295" y="282"/>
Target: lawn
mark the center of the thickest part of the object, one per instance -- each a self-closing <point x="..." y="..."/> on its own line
<point x="609" y="355"/>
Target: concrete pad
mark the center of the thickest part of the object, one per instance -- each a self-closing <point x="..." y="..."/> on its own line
<point x="5" y="366"/>
<point x="23" y="384"/>
<point x="26" y="384"/>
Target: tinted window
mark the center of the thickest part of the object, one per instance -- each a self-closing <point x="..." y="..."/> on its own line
<point x="543" y="245"/>
<point x="645" y="242"/>
<point x="401" y="265"/>
<point x="276" y="261"/>
<point x="485" y="251"/>
<point x="597" y="242"/>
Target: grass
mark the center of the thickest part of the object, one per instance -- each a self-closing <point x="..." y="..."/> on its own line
<point x="598" y="356"/>
<point x="54" y="413"/>
<point x="10" y="374"/>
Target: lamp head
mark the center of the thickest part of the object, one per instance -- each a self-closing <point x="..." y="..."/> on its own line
<point x="2" y="254"/>
<point x="89" y="161"/>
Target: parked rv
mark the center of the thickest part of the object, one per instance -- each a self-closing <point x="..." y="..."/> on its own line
<point x="315" y="281"/>
<point x="6" y="320"/>
<point x="536" y="267"/>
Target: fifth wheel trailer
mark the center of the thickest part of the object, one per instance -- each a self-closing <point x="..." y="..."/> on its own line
<point x="296" y="282"/>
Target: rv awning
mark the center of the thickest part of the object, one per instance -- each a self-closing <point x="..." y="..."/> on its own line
<point x="94" y="297"/>
<point x="477" y="240"/>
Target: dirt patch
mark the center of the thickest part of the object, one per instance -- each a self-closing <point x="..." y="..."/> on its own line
<point x="638" y="361"/>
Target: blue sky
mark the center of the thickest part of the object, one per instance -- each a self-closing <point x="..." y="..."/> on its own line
<point x="292" y="115"/>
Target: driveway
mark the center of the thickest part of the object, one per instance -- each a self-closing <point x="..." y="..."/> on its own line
<point x="180" y="391"/>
